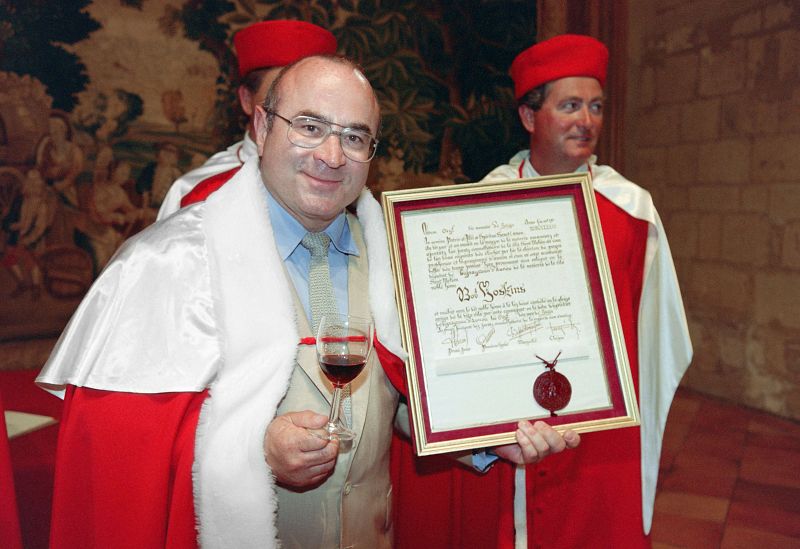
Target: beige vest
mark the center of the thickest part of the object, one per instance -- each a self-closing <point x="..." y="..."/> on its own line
<point x="352" y="508"/>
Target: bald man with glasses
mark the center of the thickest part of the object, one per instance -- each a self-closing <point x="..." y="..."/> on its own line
<point x="190" y="373"/>
<point x="189" y="370"/>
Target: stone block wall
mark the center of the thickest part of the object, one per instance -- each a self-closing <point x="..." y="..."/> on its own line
<point x="713" y="132"/>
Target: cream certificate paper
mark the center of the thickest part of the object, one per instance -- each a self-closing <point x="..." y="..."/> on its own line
<point x="498" y="284"/>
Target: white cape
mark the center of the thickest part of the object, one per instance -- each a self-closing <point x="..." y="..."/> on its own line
<point x="201" y="300"/>
<point x="665" y="349"/>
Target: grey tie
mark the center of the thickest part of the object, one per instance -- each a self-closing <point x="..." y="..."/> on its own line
<point x="320" y="293"/>
<point x="320" y="287"/>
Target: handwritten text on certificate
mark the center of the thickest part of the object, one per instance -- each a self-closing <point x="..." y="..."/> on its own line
<point x="496" y="285"/>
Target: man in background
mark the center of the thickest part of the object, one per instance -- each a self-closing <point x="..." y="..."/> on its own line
<point x="601" y="494"/>
<point x="262" y="49"/>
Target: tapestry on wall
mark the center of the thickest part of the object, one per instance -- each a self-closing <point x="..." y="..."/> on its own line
<point x="104" y="103"/>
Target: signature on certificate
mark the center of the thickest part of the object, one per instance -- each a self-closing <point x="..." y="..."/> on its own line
<point x="455" y="340"/>
<point x="561" y="331"/>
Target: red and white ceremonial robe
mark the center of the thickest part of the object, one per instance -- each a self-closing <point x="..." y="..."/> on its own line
<point x="174" y="364"/>
<point x="601" y="494"/>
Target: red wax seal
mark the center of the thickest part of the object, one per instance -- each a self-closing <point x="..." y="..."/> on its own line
<point x="552" y="390"/>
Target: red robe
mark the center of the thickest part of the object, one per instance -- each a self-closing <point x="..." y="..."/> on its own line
<point x="134" y="501"/>
<point x="587" y="497"/>
<point x="92" y="506"/>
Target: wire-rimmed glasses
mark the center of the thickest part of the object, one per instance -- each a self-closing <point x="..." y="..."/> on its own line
<point x="309" y="132"/>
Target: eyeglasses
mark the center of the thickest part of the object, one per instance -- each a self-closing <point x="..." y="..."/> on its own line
<point x="309" y="132"/>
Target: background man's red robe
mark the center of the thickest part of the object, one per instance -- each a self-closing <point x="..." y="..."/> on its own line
<point x="588" y="497"/>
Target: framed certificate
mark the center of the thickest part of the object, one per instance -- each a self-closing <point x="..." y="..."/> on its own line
<point x="507" y="311"/>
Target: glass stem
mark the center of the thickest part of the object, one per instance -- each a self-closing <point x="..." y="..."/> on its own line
<point x="337" y="397"/>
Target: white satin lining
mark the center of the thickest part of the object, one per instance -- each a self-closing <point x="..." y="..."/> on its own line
<point x="520" y="509"/>
<point x="162" y="288"/>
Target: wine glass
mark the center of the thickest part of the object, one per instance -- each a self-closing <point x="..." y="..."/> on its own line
<point x="343" y="346"/>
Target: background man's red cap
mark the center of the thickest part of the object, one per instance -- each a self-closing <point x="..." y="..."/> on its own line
<point x="279" y="43"/>
<point x="559" y="57"/>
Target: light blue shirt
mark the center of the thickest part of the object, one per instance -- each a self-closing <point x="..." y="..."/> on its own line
<point x="289" y="232"/>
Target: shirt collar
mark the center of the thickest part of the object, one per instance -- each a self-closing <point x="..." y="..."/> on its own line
<point x="531" y="171"/>
<point x="248" y="148"/>
<point x="289" y="232"/>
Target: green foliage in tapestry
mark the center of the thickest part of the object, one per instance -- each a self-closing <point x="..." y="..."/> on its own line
<point x="485" y="37"/>
<point x="30" y="37"/>
<point x="95" y="118"/>
<point x="440" y="68"/>
<point x="204" y="22"/>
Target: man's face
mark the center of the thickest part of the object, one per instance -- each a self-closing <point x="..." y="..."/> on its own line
<point x="315" y="185"/>
<point x="564" y="131"/>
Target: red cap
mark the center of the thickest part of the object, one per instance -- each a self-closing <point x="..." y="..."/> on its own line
<point x="559" y="57"/>
<point x="279" y="43"/>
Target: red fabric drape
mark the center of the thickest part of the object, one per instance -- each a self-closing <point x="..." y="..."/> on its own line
<point x="124" y="467"/>
<point x="112" y="488"/>
<point x="207" y="186"/>
<point x="9" y="517"/>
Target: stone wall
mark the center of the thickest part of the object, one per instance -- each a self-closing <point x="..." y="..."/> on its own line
<point x="713" y="131"/>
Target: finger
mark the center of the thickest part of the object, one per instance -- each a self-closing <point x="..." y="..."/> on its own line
<point x="307" y="476"/>
<point x="540" y="436"/>
<point x="551" y="437"/>
<point x="509" y="452"/>
<point x="303" y="465"/>
<point x="543" y="448"/>
<point x="572" y="439"/>
<point x="319" y="478"/>
<point x="307" y="442"/>
<point x="320" y="470"/>
<point x="529" y="452"/>
<point x="534" y="433"/>
<point x="308" y="419"/>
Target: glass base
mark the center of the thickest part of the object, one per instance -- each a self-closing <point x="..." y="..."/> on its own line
<point x="334" y="431"/>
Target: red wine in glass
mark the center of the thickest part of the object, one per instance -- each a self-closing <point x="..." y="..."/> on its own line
<point x="342" y="369"/>
<point x="343" y="345"/>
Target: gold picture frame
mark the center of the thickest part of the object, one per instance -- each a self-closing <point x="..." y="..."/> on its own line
<point x="507" y="311"/>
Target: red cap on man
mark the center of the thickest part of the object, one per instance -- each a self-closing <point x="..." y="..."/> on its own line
<point x="279" y="43"/>
<point x="559" y="57"/>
